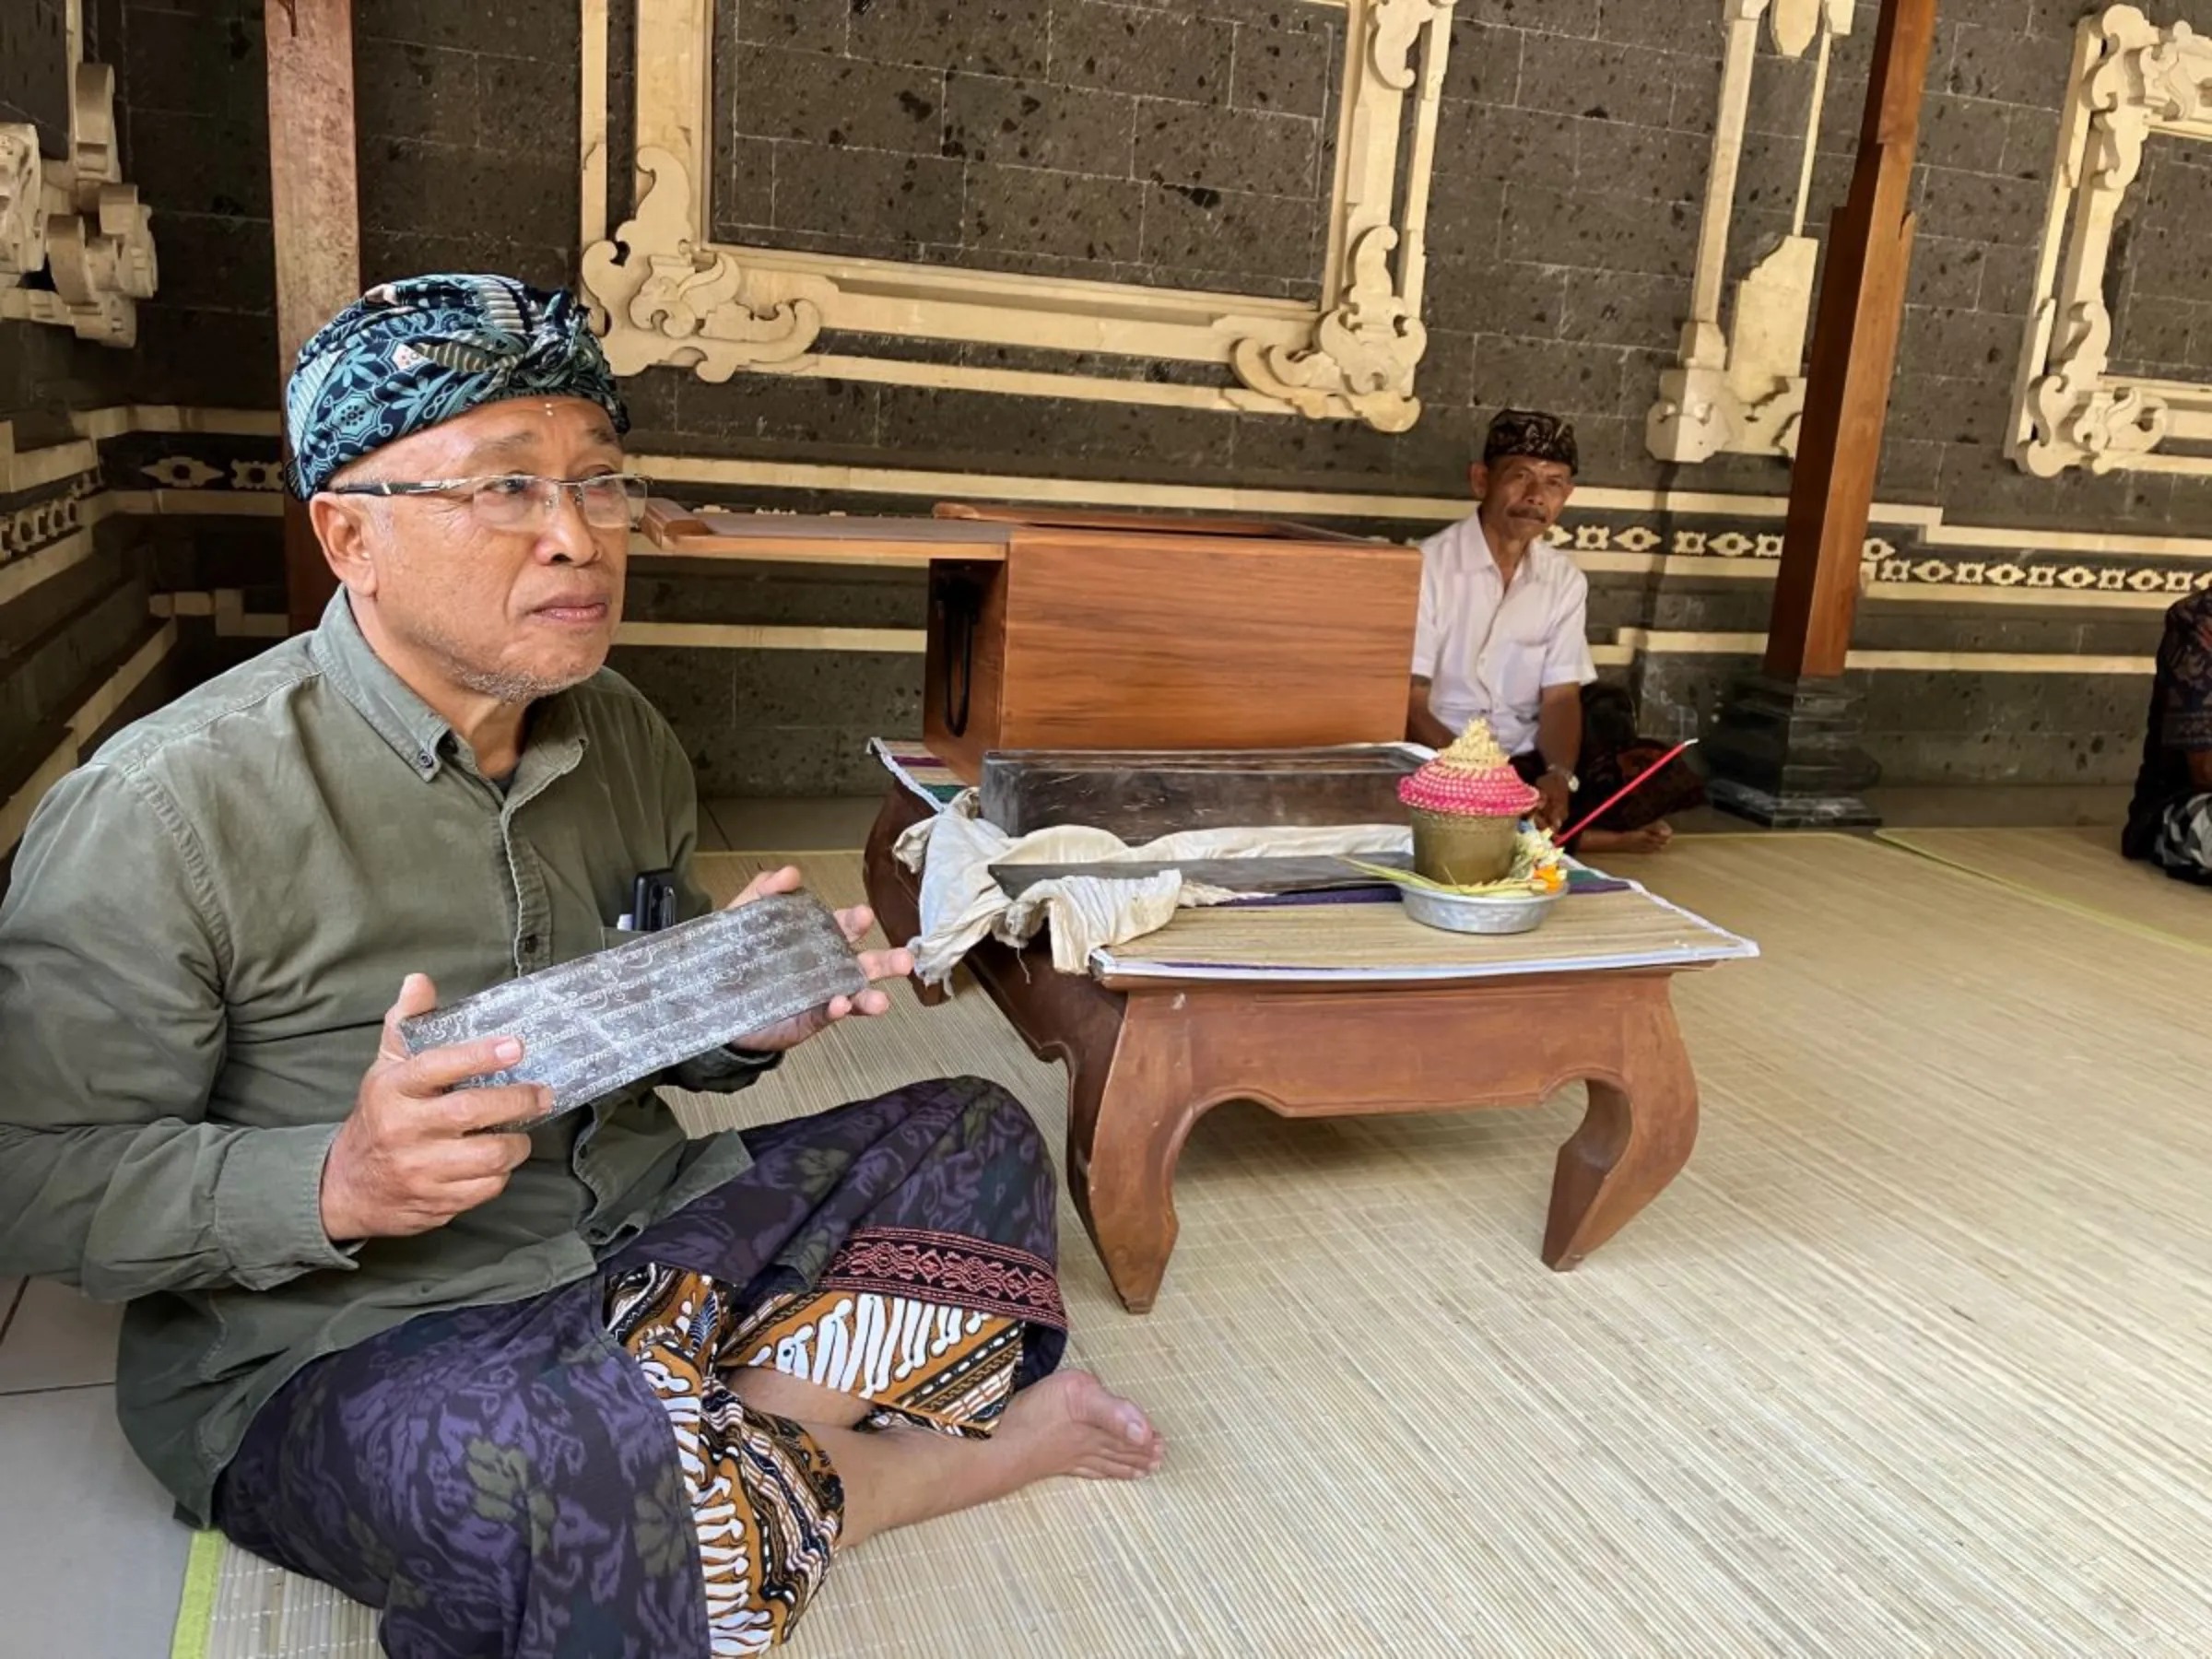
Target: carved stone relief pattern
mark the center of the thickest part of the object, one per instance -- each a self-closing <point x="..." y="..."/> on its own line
<point x="1898" y="557"/>
<point x="1741" y="387"/>
<point x="204" y="463"/>
<point x="2132" y="79"/>
<point x="664" y="291"/>
<point x="35" y="520"/>
<point x="73" y="223"/>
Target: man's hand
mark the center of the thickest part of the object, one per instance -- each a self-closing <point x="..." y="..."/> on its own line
<point x="412" y="1156"/>
<point x="1552" y="801"/>
<point x="879" y="965"/>
<point x="1422" y="726"/>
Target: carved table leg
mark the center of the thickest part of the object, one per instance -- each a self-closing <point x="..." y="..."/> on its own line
<point x="1130" y="1109"/>
<point x="1634" y="1139"/>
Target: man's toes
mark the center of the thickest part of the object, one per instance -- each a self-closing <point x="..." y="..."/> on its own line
<point x="1133" y="1425"/>
<point x="1113" y="1455"/>
<point x="1092" y="1402"/>
<point x="1116" y="1468"/>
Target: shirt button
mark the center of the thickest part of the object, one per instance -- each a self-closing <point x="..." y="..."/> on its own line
<point x="529" y="944"/>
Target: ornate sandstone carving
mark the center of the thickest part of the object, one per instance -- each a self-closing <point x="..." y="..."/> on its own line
<point x="667" y="298"/>
<point x="664" y="293"/>
<point x="1364" y="353"/>
<point x="75" y="223"/>
<point x="1743" y="390"/>
<point x="2132" y="79"/>
<point x="1397" y="25"/>
<point x="22" y="205"/>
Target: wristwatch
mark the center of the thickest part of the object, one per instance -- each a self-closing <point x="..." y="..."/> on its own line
<point x="1574" y="783"/>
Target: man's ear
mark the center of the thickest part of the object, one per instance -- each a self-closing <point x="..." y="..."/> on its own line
<point x="342" y="531"/>
<point x="1479" y="481"/>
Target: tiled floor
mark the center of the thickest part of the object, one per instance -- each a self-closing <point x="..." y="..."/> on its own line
<point x="90" y="1559"/>
<point x="799" y="825"/>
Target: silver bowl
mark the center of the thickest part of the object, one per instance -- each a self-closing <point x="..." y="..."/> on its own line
<point x="1478" y="913"/>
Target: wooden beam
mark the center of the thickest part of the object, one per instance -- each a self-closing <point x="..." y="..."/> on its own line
<point x="315" y="204"/>
<point x="1853" y="361"/>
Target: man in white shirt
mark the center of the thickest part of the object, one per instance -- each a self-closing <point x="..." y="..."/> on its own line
<point x="1504" y="634"/>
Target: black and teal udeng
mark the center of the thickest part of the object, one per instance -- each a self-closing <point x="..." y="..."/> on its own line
<point x="410" y="354"/>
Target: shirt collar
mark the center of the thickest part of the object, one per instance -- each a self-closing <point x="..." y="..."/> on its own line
<point x="1535" y="562"/>
<point x="417" y="733"/>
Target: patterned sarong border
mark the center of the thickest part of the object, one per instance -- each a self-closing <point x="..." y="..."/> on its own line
<point x="949" y="1267"/>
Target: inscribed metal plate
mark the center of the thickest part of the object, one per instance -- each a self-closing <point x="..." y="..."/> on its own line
<point x="592" y="1025"/>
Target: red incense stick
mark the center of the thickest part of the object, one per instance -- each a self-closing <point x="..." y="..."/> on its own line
<point x="1633" y="784"/>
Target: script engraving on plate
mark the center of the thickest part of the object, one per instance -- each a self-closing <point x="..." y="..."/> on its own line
<point x="590" y="1026"/>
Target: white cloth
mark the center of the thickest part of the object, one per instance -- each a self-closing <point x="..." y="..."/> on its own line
<point x="2185" y="838"/>
<point x="962" y="902"/>
<point x="1492" y="651"/>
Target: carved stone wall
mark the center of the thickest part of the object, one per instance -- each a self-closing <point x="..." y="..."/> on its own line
<point x="1574" y="152"/>
<point x="2117" y="372"/>
<point x="1186" y="147"/>
<point x="77" y="246"/>
<point x="1025" y="184"/>
<point x="73" y="597"/>
<point x="34" y="71"/>
<point x="1572" y="166"/>
<point x="45" y="372"/>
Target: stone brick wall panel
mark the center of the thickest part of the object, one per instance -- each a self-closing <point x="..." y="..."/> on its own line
<point x="1187" y="143"/>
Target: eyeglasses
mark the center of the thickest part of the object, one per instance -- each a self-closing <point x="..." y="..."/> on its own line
<point x="522" y="501"/>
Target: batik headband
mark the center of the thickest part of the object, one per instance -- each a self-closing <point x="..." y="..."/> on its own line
<point x="410" y="354"/>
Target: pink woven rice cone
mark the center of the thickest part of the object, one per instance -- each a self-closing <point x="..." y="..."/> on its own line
<point x="1467" y="806"/>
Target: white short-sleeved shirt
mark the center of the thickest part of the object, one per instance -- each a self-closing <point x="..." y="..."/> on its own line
<point x="1492" y="652"/>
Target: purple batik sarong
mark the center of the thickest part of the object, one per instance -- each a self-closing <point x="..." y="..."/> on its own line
<point x="505" y="1481"/>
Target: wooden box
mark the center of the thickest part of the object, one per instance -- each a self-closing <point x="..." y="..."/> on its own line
<point x="1130" y="631"/>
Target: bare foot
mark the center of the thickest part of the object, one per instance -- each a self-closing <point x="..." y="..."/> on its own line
<point x="1069" y="1424"/>
<point x="1652" y="838"/>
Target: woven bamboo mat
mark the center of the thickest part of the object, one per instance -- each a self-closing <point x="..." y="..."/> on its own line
<point x="2080" y="869"/>
<point x="1914" y="1358"/>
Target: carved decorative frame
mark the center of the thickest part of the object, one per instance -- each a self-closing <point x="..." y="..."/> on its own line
<point x="2130" y="80"/>
<point x="664" y="293"/>
<point x="1741" y="389"/>
<point x="74" y="220"/>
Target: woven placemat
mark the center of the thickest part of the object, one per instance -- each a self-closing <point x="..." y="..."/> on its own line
<point x="1581" y="931"/>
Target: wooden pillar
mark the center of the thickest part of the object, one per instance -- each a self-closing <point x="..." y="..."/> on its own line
<point x="315" y="205"/>
<point x="1786" y="749"/>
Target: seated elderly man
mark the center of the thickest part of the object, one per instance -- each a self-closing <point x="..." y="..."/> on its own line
<point x="2169" y="822"/>
<point x="1503" y="634"/>
<point x="587" y="1387"/>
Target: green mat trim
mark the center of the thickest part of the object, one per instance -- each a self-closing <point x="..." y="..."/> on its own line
<point x="1900" y="839"/>
<point x="196" y="1607"/>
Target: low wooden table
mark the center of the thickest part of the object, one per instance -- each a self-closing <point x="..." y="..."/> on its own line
<point x="1150" y="1047"/>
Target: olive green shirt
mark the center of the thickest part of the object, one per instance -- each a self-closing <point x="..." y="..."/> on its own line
<point x="204" y="929"/>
